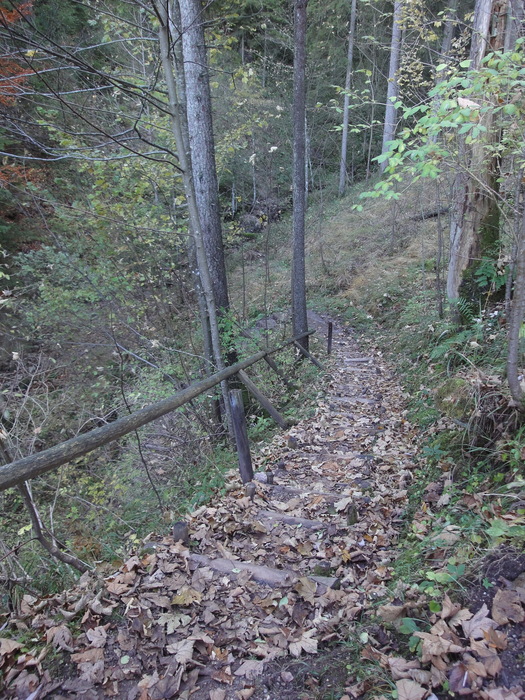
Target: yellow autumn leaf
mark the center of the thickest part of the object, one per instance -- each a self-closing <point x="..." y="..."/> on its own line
<point x="187" y="596"/>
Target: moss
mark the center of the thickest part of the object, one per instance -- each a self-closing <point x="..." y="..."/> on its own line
<point x="455" y="398"/>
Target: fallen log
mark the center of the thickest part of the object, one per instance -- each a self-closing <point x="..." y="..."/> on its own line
<point x="261" y="574"/>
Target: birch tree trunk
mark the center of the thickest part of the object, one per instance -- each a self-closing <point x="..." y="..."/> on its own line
<point x="299" y="316"/>
<point x="474" y="223"/>
<point x="202" y="145"/>
<point x="346" y="102"/>
<point x="389" y="129"/>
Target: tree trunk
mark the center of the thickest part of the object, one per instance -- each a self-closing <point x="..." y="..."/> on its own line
<point x="299" y="316"/>
<point x="448" y="32"/>
<point x="346" y="102"/>
<point x="179" y="126"/>
<point x="202" y="146"/>
<point x="514" y="25"/>
<point x="474" y="224"/>
<point x="517" y="315"/>
<point x="389" y="130"/>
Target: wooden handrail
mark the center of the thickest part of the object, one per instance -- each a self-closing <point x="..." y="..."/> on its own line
<point x="41" y="462"/>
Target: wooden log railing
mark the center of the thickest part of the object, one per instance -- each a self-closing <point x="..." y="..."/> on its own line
<point x="39" y="463"/>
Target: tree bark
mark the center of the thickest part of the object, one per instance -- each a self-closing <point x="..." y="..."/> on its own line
<point x="516" y="318"/>
<point x="389" y="129"/>
<point x="474" y="221"/>
<point x="514" y="25"/>
<point x="179" y="124"/>
<point x="299" y="315"/>
<point x="202" y="145"/>
<point x="346" y="102"/>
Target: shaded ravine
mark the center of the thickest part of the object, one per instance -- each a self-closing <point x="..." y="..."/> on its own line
<point x="275" y="574"/>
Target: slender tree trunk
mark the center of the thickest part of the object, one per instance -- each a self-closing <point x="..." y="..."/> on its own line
<point x="474" y="222"/>
<point x="346" y="101"/>
<point x="179" y="127"/>
<point x="448" y="32"/>
<point x="515" y="26"/>
<point x="389" y="130"/>
<point x="299" y="315"/>
<point x="202" y="146"/>
<point x="516" y="318"/>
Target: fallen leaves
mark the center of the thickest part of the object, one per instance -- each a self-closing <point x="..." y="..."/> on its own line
<point x="170" y="620"/>
<point x="507" y="607"/>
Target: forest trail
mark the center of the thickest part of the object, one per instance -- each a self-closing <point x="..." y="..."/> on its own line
<point x="261" y="579"/>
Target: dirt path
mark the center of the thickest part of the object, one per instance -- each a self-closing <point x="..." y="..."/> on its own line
<point x="265" y="577"/>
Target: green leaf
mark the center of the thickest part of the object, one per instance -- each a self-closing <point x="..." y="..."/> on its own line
<point x="439" y="576"/>
<point x="498" y="528"/>
<point x="434" y="606"/>
<point x="408" y="626"/>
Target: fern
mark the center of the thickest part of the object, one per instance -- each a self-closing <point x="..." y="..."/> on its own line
<point x="466" y="309"/>
<point x="454" y="342"/>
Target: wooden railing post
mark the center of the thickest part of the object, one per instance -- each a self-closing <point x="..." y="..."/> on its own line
<point x="263" y="400"/>
<point x="241" y="435"/>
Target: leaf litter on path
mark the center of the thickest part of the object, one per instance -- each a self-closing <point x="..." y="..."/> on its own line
<point x="267" y="578"/>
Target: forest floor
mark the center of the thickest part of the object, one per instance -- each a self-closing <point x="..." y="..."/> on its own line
<point x="275" y="593"/>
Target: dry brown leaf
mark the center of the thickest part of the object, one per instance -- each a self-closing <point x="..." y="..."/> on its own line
<point x="465" y="103"/>
<point x="90" y="655"/>
<point x="250" y="669"/>
<point x="460" y="616"/>
<point x="60" y="637"/>
<point x="8" y="646"/>
<point x="400" y="668"/>
<point x="306" y="588"/>
<point x="182" y="650"/>
<point x="462" y="681"/>
<point x="474" y="666"/>
<point x="487" y="656"/>
<point x="98" y="636"/>
<point x="132" y="563"/>
<point x="495" y="639"/>
<point x="389" y="613"/>
<point x="500" y="694"/>
<point x="434" y="647"/>
<point x="478" y="624"/>
<point x="506" y="607"/>
<point x="187" y="596"/>
<point x="420" y="676"/>
<point x="99" y="609"/>
<point x="92" y="672"/>
<point x="409" y="690"/>
<point x="223" y="675"/>
<point x="173" y="622"/>
<point x="343" y="503"/>
<point x="306" y="643"/>
<point x="448" y="608"/>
